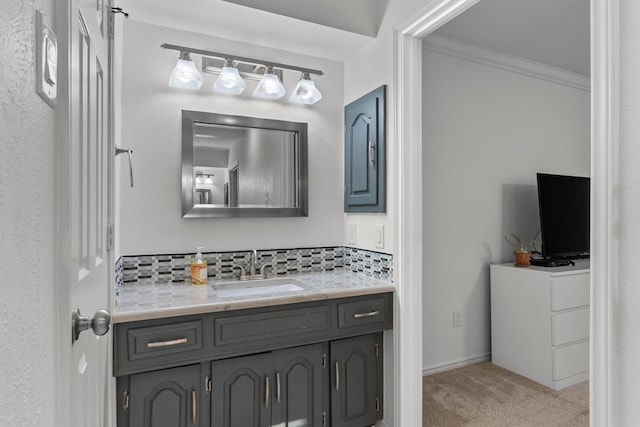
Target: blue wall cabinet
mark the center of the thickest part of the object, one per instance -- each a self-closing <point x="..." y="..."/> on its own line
<point x="364" y="169"/>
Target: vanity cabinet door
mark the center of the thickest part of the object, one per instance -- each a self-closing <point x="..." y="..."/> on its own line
<point x="364" y="138"/>
<point x="300" y="375"/>
<point x="241" y="393"/>
<point x="356" y="399"/>
<point x="165" y="398"/>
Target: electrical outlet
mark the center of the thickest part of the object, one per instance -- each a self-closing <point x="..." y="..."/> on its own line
<point x="457" y="318"/>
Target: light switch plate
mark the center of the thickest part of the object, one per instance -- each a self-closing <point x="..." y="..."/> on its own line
<point x="380" y="236"/>
<point x="46" y="61"/>
<point x="351" y="234"/>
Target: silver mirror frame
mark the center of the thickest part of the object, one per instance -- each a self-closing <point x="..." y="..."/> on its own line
<point x="191" y="210"/>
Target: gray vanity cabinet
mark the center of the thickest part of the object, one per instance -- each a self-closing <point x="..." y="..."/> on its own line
<point x="301" y="380"/>
<point x="240" y="391"/>
<point x="356" y="392"/>
<point x="316" y="363"/>
<point x="364" y="140"/>
<point x="281" y="388"/>
<point x="165" y="398"/>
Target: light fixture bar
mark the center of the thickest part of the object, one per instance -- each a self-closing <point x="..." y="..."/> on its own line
<point x="241" y="59"/>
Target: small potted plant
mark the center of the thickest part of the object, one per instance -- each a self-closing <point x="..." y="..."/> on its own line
<point x="521" y="251"/>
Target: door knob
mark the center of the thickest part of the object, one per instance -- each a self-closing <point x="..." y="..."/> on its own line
<point x="99" y="323"/>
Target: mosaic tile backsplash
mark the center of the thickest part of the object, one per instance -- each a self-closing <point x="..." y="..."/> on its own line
<point x="175" y="268"/>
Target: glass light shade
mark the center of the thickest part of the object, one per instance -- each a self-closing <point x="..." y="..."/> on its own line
<point x="185" y="75"/>
<point x="269" y="87"/>
<point x="305" y="92"/>
<point x="229" y="81"/>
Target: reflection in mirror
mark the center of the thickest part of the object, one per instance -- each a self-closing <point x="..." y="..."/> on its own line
<point x="242" y="166"/>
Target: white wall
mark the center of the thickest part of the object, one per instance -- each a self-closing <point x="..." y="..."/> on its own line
<point x="486" y="132"/>
<point x="151" y="219"/>
<point x="626" y="202"/>
<point x="365" y="70"/>
<point x="27" y="207"/>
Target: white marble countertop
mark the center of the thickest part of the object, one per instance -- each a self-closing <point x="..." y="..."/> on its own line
<point x="144" y="302"/>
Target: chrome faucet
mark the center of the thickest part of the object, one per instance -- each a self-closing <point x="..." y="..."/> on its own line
<point x="252" y="262"/>
<point x="255" y="272"/>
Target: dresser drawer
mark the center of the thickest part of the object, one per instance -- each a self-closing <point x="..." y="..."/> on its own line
<point x="370" y="311"/>
<point x="570" y="360"/>
<point x="569" y="326"/>
<point x="569" y="291"/>
<point x="171" y="339"/>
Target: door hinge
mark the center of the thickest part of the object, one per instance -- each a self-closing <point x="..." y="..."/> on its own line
<point x="377" y="349"/>
<point x="111" y="21"/>
<point x="110" y="236"/>
<point x="125" y="400"/>
<point x="377" y="405"/>
<point x="324" y="418"/>
<point x="208" y="384"/>
<point x="324" y="360"/>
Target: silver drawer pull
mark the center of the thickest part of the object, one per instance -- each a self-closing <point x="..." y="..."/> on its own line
<point x="157" y="344"/>
<point x="369" y="314"/>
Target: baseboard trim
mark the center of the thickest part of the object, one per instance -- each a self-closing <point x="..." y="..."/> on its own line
<point x="455" y="364"/>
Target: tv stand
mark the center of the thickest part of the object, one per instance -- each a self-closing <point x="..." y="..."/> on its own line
<point x="540" y="322"/>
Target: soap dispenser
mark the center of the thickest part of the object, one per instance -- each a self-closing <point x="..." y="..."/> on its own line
<point x="199" y="269"/>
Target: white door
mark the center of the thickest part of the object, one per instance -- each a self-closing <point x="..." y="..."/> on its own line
<point x="86" y="264"/>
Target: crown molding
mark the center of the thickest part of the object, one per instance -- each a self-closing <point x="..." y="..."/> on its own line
<point x="491" y="58"/>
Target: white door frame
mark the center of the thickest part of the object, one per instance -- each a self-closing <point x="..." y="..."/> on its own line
<point x="63" y="197"/>
<point x="603" y="375"/>
<point x="407" y="84"/>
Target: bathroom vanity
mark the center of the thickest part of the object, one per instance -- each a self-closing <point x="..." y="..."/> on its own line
<point x="197" y="356"/>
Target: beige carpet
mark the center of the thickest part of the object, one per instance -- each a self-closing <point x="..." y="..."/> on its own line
<point x="485" y="395"/>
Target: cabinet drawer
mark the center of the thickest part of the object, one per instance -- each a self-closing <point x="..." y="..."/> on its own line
<point x="569" y="326"/>
<point x="271" y="328"/>
<point x="569" y="291"/>
<point x="366" y="312"/>
<point x="570" y="360"/>
<point x="155" y="341"/>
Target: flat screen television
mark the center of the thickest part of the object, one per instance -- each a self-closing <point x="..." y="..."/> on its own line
<point x="563" y="203"/>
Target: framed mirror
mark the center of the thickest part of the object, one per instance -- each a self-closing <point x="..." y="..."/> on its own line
<point x="235" y="166"/>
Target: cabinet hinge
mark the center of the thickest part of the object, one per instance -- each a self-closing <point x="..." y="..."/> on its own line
<point x="377" y="350"/>
<point x="125" y="400"/>
<point x="324" y="418"/>
<point x="208" y="384"/>
<point x="324" y="360"/>
<point x="345" y="129"/>
<point x="110" y="236"/>
<point x="377" y="405"/>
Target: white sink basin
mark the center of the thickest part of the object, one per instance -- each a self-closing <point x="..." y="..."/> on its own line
<point x="257" y="287"/>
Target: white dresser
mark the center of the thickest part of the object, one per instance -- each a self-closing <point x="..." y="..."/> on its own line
<point x="540" y="322"/>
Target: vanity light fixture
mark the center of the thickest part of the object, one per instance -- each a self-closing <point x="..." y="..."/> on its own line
<point x="306" y="91"/>
<point x="185" y="75"/>
<point x="231" y="75"/>
<point x="270" y="86"/>
<point x="204" y="178"/>
<point x="229" y="80"/>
